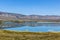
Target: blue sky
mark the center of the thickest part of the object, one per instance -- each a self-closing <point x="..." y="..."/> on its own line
<point x="28" y="7"/>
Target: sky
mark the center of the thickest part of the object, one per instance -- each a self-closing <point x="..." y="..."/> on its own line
<point x="29" y="7"/>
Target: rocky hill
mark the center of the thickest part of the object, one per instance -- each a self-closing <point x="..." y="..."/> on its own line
<point x="15" y="16"/>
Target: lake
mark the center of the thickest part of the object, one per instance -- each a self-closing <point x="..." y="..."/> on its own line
<point x="36" y="27"/>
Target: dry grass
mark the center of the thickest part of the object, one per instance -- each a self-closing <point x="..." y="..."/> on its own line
<point x="11" y="35"/>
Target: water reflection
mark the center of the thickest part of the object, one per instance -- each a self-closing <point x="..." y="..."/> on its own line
<point x="29" y="24"/>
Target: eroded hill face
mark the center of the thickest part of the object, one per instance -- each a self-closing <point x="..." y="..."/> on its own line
<point x="9" y="16"/>
<point x="15" y="16"/>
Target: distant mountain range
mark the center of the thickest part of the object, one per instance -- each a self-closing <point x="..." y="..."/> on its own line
<point x="15" y="16"/>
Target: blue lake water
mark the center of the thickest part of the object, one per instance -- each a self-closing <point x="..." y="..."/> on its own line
<point x="37" y="27"/>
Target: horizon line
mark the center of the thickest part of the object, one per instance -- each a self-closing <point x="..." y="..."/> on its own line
<point x="27" y="14"/>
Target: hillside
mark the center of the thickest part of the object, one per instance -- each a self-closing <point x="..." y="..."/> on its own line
<point x="11" y="35"/>
<point x="16" y="16"/>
